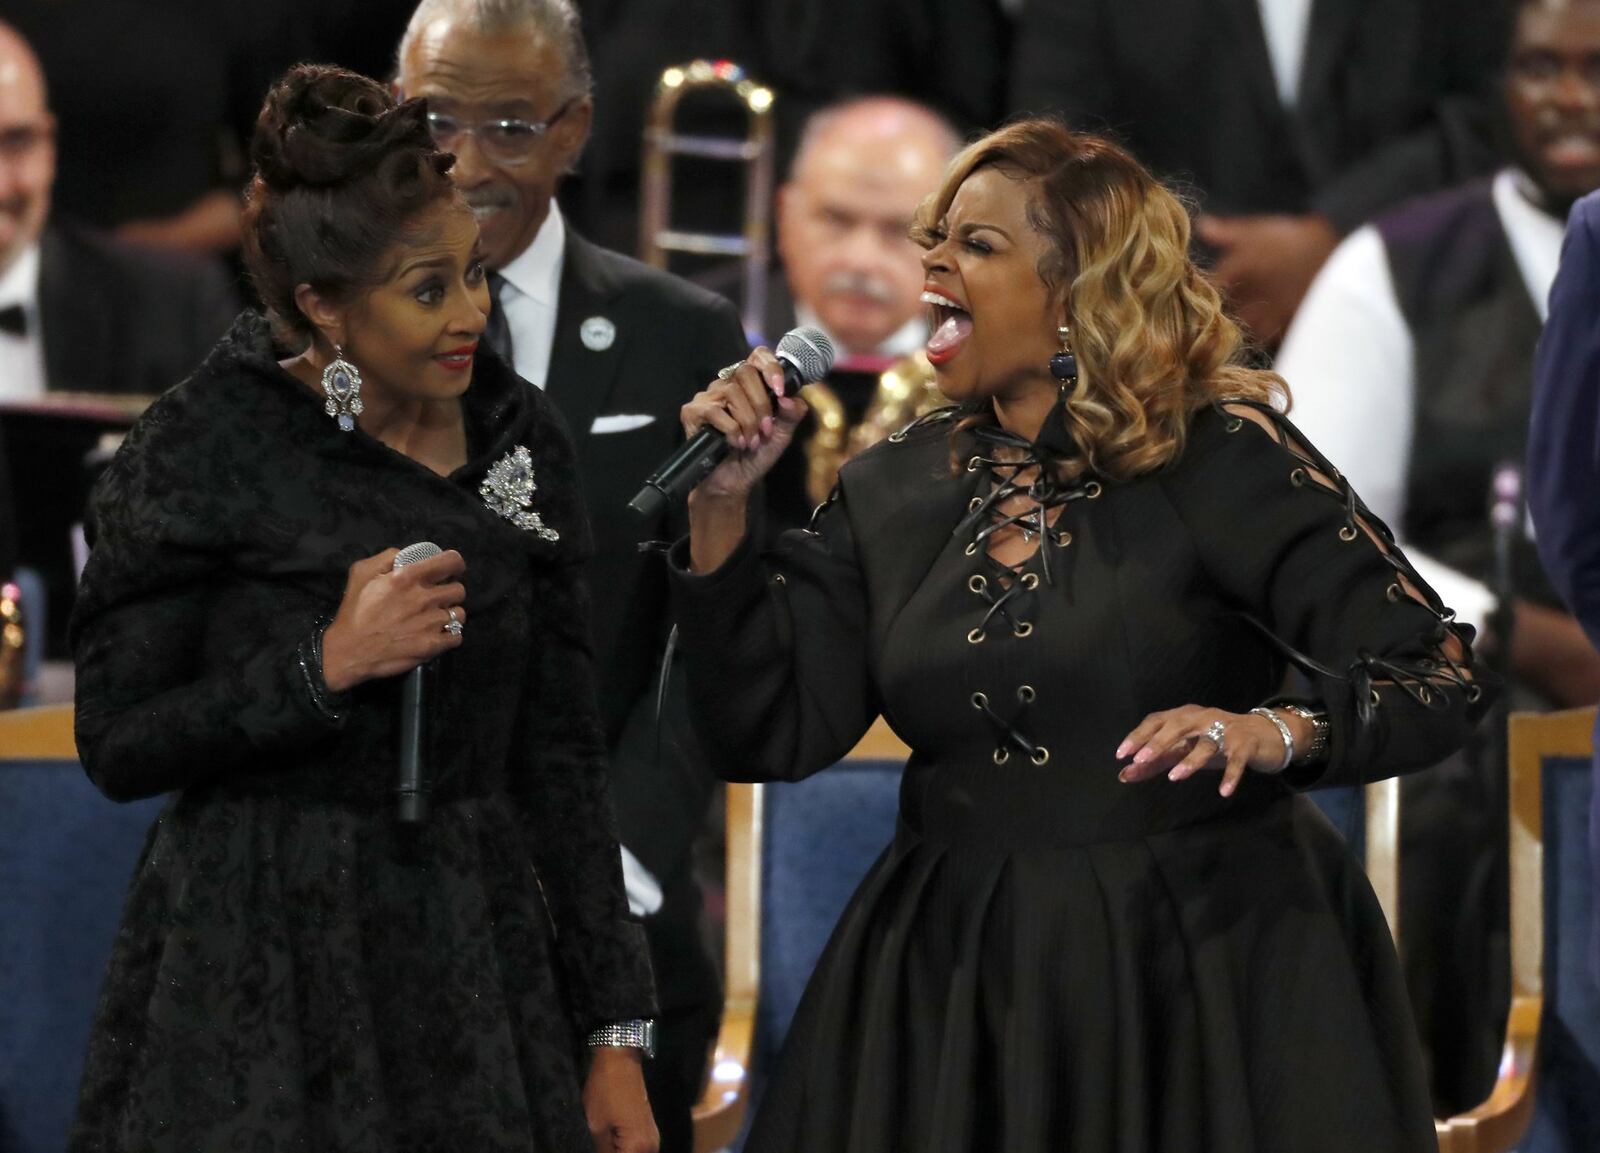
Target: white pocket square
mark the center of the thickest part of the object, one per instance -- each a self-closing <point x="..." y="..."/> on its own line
<point x="620" y="422"/>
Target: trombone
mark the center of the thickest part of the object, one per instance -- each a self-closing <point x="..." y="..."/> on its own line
<point x="755" y="150"/>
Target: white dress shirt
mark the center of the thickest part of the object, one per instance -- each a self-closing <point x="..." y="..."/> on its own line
<point x="22" y="374"/>
<point x="1350" y="362"/>
<point x="1287" y="25"/>
<point x="530" y="295"/>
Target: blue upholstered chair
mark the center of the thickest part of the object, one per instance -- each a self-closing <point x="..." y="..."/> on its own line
<point x="66" y="854"/>
<point x="1552" y="784"/>
<point x="796" y="853"/>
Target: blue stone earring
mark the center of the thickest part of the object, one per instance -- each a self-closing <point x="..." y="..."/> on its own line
<point x="342" y="382"/>
<point x="1064" y="365"/>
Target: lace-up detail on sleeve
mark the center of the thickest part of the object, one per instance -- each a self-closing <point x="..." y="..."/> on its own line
<point x="1324" y="583"/>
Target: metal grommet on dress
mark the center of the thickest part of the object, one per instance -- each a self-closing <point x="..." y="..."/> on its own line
<point x="980" y="700"/>
<point x="1025" y="694"/>
<point x="975" y="637"/>
<point x="1348" y="533"/>
<point x="1023" y="629"/>
<point x="978" y="582"/>
<point x="1040" y="756"/>
<point x="1002" y="755"/>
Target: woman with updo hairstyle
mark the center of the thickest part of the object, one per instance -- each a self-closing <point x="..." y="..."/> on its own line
<point x="318" y="951"/>
<point x="1109" y="920"/>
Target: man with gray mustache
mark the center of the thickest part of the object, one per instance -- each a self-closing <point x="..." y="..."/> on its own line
<point x="860" y="171"/>
<point x="618" y="347"/>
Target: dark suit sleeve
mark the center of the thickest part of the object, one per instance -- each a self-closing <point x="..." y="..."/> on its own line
<point x="1564" y="432"/>
<point x="566" y="798"/>
<point x="776" y="650"/>
<point x="1454" y="142"/>
<point x="1062" y="65"/>
<point x="656" y="751"/>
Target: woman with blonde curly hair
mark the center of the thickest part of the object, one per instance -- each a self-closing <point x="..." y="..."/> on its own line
<point x="1108" y="919"/>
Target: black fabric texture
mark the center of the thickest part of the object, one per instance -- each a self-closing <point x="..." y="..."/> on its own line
<point x="1045" y="958"/>
<point x="294" y="970"/>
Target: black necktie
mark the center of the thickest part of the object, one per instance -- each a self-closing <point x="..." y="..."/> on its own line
<point x="14" y="319"/>
<point x="497" y="333"/>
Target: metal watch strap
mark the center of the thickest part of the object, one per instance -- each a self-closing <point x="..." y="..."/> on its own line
<point x="636" y="1034"/>
<point x="1283" y="731"/>
<point x="1320" y="732"/>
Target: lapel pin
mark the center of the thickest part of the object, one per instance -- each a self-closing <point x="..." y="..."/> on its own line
<point x="597" y="333"/>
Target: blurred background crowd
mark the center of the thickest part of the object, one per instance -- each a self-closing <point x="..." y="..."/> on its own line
<point x="1380" y="187"/>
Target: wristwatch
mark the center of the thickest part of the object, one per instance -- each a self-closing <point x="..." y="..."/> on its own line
<point x="639" y="1033"/>
<point x="1319" y="732"/>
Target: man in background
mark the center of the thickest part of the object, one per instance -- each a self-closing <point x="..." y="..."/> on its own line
<point x="1411" y="365"/>
<point x="619" y="348"/>
<point x="1295" y="120"/>
<point x="843" y="220"/>
<point x="79" y="312"/>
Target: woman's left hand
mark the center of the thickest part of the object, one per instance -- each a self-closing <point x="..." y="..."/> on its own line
<point x="616" y="1104"/>
<point x="1174" y="742"/>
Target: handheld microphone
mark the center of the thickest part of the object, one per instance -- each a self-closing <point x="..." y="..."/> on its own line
<point x="806" y="355"/>
<point x="412" y="785"/>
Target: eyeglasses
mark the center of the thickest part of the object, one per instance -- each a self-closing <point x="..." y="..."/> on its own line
<point x="502" y="141"/>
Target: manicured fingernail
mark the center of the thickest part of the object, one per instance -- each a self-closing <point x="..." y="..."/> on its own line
<point x="777" y="383"/>
<point x="1122" y="750"/>
<point x="1227" y="789"/>
<point x="766" y="426"/>
<point x="1125" y="776"/>
<point x="1142" y="755"/>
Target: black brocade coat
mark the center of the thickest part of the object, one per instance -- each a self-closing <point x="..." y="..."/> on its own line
<point x="292" y="971"/>
<point x="1045" y="959"/>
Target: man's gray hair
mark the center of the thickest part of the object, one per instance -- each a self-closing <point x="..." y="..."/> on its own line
<point x="555" y="19"/>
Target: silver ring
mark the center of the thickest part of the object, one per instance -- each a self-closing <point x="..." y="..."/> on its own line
<point x="452" y="626"/>
<point x="1217" y="732"/>
<point x="725" y="373"/>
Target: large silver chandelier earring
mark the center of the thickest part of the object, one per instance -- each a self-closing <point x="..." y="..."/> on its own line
<point x="342" y="382"/>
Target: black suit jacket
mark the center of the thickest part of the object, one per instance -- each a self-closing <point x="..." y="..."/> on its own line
<point x="670" y="339"/>
<point x="1395" y="96"/>
<point x="115" y="318"/>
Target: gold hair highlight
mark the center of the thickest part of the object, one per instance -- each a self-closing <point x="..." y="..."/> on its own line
<point x="1152" y="339"/>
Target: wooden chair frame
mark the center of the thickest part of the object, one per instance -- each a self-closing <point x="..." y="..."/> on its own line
<point x="43" y="733"/>
<point x="1502" y="1120"/>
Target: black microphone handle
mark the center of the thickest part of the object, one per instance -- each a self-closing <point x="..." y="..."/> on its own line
<point x="697" y="457"/>
<point x="411" y="793"/>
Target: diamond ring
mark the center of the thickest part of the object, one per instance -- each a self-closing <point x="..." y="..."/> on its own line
<point x="452" y="626"/>
<point x="1216" y="732"/>
<point x="725" y="373"/>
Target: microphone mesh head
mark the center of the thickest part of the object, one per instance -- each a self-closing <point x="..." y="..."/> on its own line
<point x="412" y="553"/>
<point x="809" y="350"/>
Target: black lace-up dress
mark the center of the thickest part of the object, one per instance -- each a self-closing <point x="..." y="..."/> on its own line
<point x="1046" y="960"/>
<point x="293" y="970"/>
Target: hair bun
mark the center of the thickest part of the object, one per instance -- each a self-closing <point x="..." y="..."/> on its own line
<point x="324" y="126"/>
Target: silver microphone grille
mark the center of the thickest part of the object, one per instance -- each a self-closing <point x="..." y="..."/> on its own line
<point x="412" y="553"/>
<point x="809" y="350"/>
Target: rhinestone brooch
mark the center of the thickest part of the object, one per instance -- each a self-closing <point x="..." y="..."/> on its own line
<point x="508" y="490"/>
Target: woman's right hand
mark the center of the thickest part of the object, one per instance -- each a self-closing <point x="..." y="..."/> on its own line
<point x="740" y="407"/>
<point x="392" y="620"/>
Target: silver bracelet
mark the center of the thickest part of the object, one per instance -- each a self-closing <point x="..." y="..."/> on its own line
<point x="1283" y="731"/>
<point x="636" y="1034"/>
<point x="1319" y="731"/>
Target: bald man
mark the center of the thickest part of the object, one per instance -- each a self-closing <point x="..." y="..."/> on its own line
<point x="79" y="312"/>
<point x="860" y="171"/>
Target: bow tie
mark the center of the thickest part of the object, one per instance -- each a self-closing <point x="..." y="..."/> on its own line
<point x="14" y="320"/>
